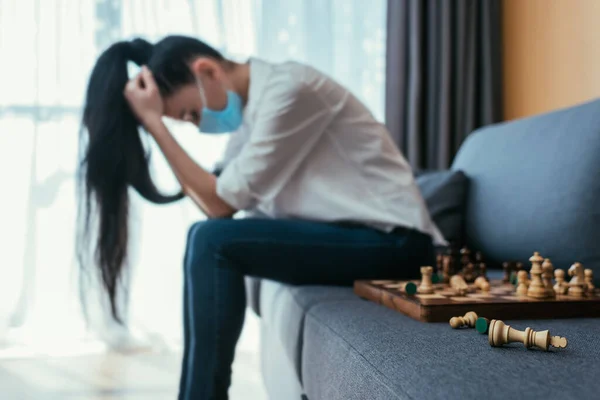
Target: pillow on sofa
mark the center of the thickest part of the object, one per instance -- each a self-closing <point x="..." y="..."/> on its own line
<point x="445" y="193"/>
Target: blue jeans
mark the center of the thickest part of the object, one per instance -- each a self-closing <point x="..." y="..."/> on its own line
<point x="221" y="252"/>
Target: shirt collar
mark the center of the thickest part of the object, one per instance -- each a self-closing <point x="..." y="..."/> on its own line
<point x="259" y="73"/>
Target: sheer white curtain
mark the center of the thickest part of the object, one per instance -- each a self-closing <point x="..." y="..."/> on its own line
<point x="47" y="50"/>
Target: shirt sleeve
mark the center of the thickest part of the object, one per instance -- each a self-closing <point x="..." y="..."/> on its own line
<point x="291" y="119"/>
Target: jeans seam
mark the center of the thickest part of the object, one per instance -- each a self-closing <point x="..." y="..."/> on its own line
<point x="278" y="242"/>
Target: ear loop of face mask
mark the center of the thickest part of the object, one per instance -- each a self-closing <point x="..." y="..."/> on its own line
<point x="202" y="94"/>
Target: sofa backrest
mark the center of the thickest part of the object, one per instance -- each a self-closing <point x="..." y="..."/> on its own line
<point x="535" y="186"/>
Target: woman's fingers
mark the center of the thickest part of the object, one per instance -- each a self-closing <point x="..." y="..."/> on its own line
<point x="143" y="96"/>
<point x="142" y="82"/>
<point x="148" y="79"/>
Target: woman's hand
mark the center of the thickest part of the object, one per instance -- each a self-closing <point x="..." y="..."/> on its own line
<point x="144" y="98"/>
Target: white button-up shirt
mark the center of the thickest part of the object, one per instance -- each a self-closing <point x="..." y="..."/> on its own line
<point x="308" y="149"/>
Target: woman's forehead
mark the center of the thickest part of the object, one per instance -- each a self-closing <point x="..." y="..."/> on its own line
<point x="183" y="99"/>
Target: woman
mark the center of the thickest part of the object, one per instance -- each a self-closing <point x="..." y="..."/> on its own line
<point x="339" y="201"/>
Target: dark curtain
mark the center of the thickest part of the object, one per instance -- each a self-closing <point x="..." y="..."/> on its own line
<point x="443" y="75"/>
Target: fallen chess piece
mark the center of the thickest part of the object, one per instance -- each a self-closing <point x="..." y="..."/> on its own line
<point x="466" y="321"/>
<point x="482" y="325"/>
<point x="500" y="334"/>
<point x="458" y="283"/>
<point x="482" y="283"/>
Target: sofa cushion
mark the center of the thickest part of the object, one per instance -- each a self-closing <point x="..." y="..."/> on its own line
<point x="445" y="194"/>
<point x="283" y="308"/>
<point x="366" y="351"/>
<point x="533" y="186"/>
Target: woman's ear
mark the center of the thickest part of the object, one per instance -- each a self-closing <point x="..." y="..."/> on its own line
<point x="207" y="68"/>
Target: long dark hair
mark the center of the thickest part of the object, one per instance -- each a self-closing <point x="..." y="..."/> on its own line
<point x="114" y="157"/>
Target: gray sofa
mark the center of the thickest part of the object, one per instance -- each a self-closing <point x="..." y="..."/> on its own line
<point x="534" y="185"/>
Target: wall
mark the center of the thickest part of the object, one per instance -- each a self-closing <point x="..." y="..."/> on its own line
<point x="551" y="54"/>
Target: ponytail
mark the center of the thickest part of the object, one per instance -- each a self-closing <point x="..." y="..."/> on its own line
<point x="114" y="159"/>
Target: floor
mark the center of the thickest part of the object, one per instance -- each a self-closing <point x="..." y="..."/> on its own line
<point x="114" y="376"/>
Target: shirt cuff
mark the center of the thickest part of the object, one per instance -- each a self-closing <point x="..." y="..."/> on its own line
<point x="233" y="188"/>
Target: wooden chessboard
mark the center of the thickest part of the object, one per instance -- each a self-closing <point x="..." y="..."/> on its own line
<point x="500" y="302"/>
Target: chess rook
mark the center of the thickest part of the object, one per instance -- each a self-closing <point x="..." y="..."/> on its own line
<point x="536" y="287"/>
<point x="468" y="320"/>
<point x="458" y="283"/>
<point x="426" y="286"/>
<point x="500" y="334"/>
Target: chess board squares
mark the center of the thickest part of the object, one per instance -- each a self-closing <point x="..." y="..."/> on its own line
<point x="448" y="292"/>
<point x="430" y="296"/>
<point x="466" y="299"/>
<point x="396" y="285"/>
<point x="482" y="295"/>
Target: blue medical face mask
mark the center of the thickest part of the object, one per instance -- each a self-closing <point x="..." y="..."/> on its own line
<point x="226" y="120"/>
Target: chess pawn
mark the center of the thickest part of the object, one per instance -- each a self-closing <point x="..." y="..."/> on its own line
<point x="446" y="269"/>
<point x="465" y="256"/>
<point x="499" y="334"/>
<point x="468" y="320"/>
<point x="547" y="272"/>
<point x="523" y="283"/>
<point x="518" y="266"/>
<point x="479" y="263"/>
<point x="536" y="286"/>
<point x="577" y="283"/>
<point x="469" y="272"/>
<point x="506" y="269"/>
<point x="589" y="279"/>
<point x="426" y="286"/>
<point x="482" y="283"/>
<point x="458" y="283"/>
<point x="561" y="286"/>
<point x="483" y="270"/>
<point x="454" y="259"/>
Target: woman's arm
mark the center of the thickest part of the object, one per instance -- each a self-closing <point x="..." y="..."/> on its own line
<point x="196" y="182"/>
<point x="144" y="98"/>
